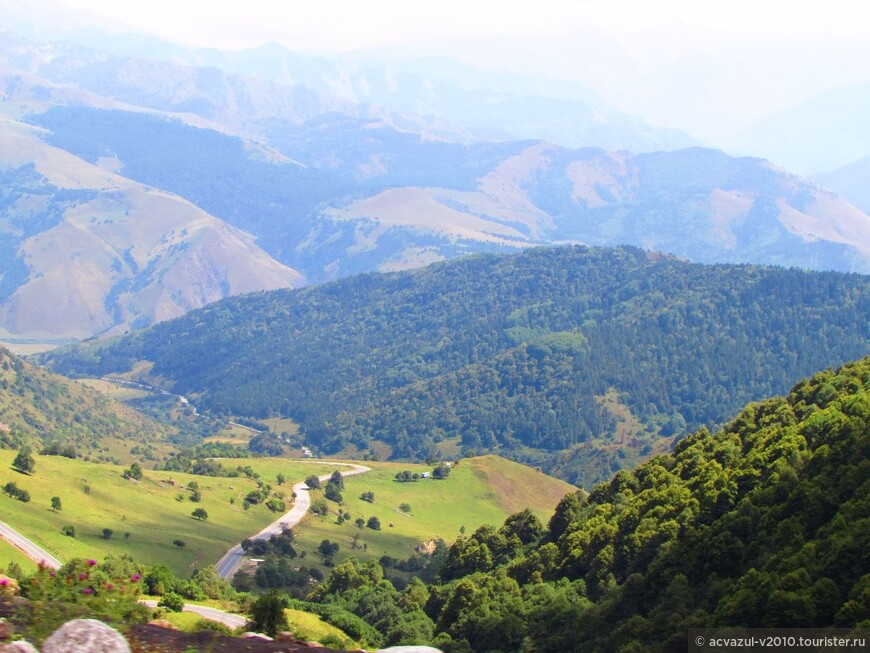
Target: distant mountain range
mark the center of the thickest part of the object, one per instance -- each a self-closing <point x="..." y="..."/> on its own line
<point x="851" y="182"/>
<point x="825" y="132"/>
<point x="328" y="182"/>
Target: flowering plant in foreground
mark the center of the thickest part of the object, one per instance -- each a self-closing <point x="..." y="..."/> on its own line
<point x="84" y="588"/>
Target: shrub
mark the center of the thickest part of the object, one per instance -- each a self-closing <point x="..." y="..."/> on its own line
<point x="172" y="602"/>
<point x="69" y="530"/>
<point x="405" y="507"/>
<point x="374" y="523"/>
<point x="107" y="533"/>
<point x="179" y="543"/>
<point x="200" y="514"/>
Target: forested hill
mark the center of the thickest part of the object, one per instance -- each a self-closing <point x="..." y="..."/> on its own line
<point x="578" y="359"/>
<point x="39" y="408"/>
<point x="763" y="524"/>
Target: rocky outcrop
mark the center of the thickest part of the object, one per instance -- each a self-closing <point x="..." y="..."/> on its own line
<point x="85" y="635"/>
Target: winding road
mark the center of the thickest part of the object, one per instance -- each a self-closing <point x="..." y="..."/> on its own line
<point x="227" y="565"/>
<point x="231" y="560"/>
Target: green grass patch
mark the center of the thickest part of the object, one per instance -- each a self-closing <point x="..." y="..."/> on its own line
<point x="311" y="627"/>
<point x="187" y="622"/>
<point x="482" y="490"/>
<point x="11" y="553"/>
<point x="148" y="510"/>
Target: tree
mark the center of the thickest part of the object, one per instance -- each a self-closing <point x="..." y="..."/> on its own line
<point x="55" y="503"/>
<point x="179" y="543"/>
<point x="327" y="549"/>
<point x="267" y="614"/>
<point x="107" y="533"/>
<point x="333" y="492"/>
<point x="405" y="507"/>
<point x="280" y="479"/>
<point x="368" y="496"/>
<point x="200" y="514"/>
<point x="442" y="471"/>
<point x="374" y="523"/>
<point x="69" y="530"/>
<point x="313" y="482"/>
<point x="134" y="472"/>
<point x="338" y="479"/>
<point x="24" y="461"/>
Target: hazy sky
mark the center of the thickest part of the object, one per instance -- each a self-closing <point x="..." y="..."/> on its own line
<point x="352" y="24"/>
<point x="707" y="66"/>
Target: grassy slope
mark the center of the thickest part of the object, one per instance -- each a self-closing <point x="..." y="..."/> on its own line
<point x="148" y="510"/>
<point x="34" y="403"/>
<point x="479" y="491"/>
<point x="10" y="553"/>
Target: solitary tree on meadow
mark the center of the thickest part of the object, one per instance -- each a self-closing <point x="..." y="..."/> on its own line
<point x="24" y="461"/>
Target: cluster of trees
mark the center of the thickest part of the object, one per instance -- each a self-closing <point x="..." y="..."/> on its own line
<point x="509" y="353"/>
<point x="11" y="489"/>
<point x="199" y="459"/>
<point x="762" y="524"/>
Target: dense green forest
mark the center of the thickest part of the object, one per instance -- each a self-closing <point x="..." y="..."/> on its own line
<point x="765" y="523"/>
<point x="578" y="360"/>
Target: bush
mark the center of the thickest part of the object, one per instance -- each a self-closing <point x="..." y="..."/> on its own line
<point x="405" y="507"/>
<point x="313" y="482"/>
<point x="368" y="496"/>
<point x="69" y="530"/>
<point x="179" y="543"/>
<point x="275" y="505"/>
<point x="172" y="602"/>
<point x="107" y="533"/>
<point x="200" y="514"/>
<point x="374" y="523"/>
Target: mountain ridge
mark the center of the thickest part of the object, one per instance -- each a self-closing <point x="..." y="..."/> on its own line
<point x="533" y="355"/>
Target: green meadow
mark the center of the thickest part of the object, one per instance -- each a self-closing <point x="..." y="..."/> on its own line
<point x="479" y="491"/>
<point x="146" y="517"/>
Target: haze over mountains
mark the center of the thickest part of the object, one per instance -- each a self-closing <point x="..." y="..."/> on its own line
<point x="336" y="166"/>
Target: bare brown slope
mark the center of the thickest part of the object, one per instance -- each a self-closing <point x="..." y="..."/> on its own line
<point x="126" y="255"/>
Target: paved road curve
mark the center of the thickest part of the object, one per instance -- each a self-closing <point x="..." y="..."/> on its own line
<point x="31" y="550"/>
<point x="212" y="614"/>
<point x="228" y="564"/>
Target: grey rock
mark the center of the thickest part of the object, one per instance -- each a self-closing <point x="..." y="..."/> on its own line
<point x="83" y="635"/>
<point x="19" y="647"/>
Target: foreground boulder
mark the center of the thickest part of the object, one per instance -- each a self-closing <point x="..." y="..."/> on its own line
<point x="85" y="635"/>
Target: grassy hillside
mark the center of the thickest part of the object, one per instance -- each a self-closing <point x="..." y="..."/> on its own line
<point x="533" y="356"/>
<point x="482" y="490"/>
<point x="39" y="407"/>
<point x="150" y="510"/>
